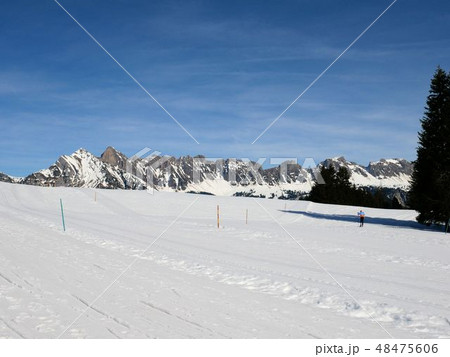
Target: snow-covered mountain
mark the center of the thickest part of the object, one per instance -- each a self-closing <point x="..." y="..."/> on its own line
<point x="5" y="178"/>
<point x="391" y="173"/>
<point x="226" y="177"/>
<point x="82" y="169"/>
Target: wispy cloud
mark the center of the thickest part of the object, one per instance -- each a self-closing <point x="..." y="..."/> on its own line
<point x="225" y="69"/>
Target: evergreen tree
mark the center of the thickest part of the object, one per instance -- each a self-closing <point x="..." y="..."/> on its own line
<point x="325" y="193"/>
<point x="343" y="177"/>
<point x="430" y="185"/>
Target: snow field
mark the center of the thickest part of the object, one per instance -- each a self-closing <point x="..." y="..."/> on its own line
<point x="196" y="281"/>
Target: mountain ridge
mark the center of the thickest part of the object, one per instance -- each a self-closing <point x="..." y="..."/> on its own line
<point x="114" y="170"/>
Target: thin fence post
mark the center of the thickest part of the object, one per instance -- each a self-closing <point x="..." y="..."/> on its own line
<point x="95" y="196"/>
<point x="62" y="214"/>
<point x="246" y="216"/>
<point x="218" y="216"/>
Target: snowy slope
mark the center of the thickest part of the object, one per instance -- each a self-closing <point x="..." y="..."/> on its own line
<point x="196" y="280"/>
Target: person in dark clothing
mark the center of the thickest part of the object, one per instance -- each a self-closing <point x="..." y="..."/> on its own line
<point x="361" y="215"/>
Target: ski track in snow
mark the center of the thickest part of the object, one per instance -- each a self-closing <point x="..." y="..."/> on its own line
<point x="199" y="281"/>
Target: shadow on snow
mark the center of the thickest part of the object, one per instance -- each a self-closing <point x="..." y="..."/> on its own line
<point x="368" y="220"/>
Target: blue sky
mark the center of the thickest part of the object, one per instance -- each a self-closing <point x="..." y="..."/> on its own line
<point x="224" y="69"/>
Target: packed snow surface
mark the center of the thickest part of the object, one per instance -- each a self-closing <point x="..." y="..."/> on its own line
<point x="136" y="265"/>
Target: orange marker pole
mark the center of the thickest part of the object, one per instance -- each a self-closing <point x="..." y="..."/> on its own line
<point x="218" y="216"/>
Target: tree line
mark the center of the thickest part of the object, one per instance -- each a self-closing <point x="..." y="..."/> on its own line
<point x="337" y="189"/>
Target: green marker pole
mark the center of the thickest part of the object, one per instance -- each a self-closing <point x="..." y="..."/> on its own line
<point x="62" y="214"/>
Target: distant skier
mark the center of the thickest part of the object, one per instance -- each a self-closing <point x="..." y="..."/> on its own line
<point x="361" y="215"/>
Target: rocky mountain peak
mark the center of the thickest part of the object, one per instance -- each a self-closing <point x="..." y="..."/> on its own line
<point x="114" y="157"/>
<point x="221" y="177"/>
<point x="5" y="178"/>
<point x="81" y="151"/>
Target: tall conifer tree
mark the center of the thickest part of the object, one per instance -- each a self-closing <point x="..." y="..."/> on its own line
<point x="430" y="186"/>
